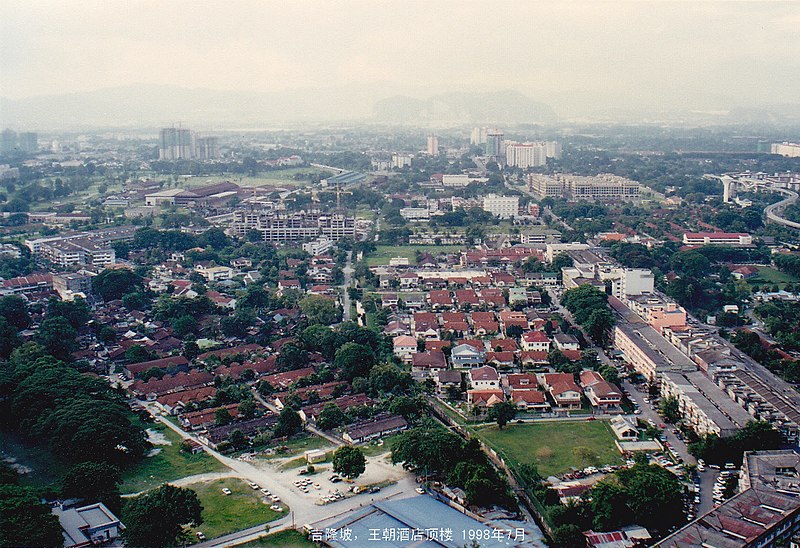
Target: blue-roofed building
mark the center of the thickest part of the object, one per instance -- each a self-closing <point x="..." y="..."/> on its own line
<point x="420" y="521"/>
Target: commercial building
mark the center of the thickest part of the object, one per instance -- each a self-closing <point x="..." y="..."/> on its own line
<point x="764" y="514"/>
<point x="703" y="406"/>
<point x="504" y="207"/>
<point x="175" y="144"/>
<point x="603" y="187"/>
<point x="282" y="227"/>
<point x="790" y="150"/>
<point x="494" y="147"/>
<point x="207" y="148"/>
<point x="82" y="251"/>
<point x="68" y="282"/>
<point x="525" y="155"/>
<point x="401" y="160"/>
<point x="432" y="146"/>
<point x="718" y="238"/>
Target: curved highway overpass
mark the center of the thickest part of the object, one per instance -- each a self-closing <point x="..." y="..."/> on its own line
<point x="770" y="210"/>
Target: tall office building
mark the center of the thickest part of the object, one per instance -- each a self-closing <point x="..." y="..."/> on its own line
<point x="526" y="155"/>
<point x="28" y="141"/>
<point x="8" y="141"/>
<point x="175" y="144"/>
<point x="494" y="143"/>
<point x="433" y="145"/>
<point x="207" y="148"/>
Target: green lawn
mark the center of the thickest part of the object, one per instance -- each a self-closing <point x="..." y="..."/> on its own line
<point x="169" y="464"/>
<point x="769" y="275"/>
<point x="282" y="539"/>
<point x="223" y="514"/>
<point x="383" y="253"/>
<point x="281" y="177"/>
<point x="372" y="449"/>
<point x="554" y="447"/>
<point x="298" y="446"/>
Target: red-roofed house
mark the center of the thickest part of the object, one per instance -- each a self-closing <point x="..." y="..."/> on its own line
<point x="600" y="393"/>
<point x="563" y="390"/>
<point x="503" y="345"/>
<point x="404" y="346"/>
<point x="536" y="341"/>
<point x="484" y="378"/>
<point x="485" y="398"/>
<point x="467" y="297"/>
<point x="500" y="359"/>
<point x="493" y="297"/>
<point x="429" y="363"/>
<point x="529" y="400"/>
<point x="440" y="298"/>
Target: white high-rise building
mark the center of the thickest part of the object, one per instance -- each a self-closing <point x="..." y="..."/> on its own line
<point x="478" y="136"/>
<point x="526" y="155"/>
<point x="504" y="207"/>
<point x="433" y="145"/>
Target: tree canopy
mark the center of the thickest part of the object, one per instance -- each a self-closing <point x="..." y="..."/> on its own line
<point x="157" y="517"/>
<point x="349" y="462"/>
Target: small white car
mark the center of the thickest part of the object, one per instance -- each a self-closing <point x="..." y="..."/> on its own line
<point x="420" y="490"/>
<point x="226" y="491"/>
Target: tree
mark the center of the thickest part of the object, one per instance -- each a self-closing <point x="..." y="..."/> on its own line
<point x="222" y="417"/>
<point x="112" y="284"/>
<point x="289" y="422"/>
<point x="353" y="360"/>
<point x="25" y="520"/>
<point x="503" y="413"/>
<point x="291" y="357"/>
<point x="670" y="409"/>
<point x="349" y="462"/>
<point x="9" y="340"/>
<point x="237" y="439"/>
<point x="157" y="518"/>
<point x="15" y="310"/>
<point x="247" y="408"/>
<point x="608" y="504"/>
<point x="76" y="311"/>
<point x="331" y="417"/>
<point x="93" y="482"/>
<point x="57" y="336"/>
<point x="428" y="447"/>
<point x="138" y="354"/>
<point x="190" y="350"/>
<point x="321" y="310"/>
<point x="655" y="496"/>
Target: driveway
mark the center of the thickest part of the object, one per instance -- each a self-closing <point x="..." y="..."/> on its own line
<point x="307" y="507"/>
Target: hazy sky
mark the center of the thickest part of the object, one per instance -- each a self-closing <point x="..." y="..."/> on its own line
<point x="709" y="55"/>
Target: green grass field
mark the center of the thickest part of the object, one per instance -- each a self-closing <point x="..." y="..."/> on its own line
<point x="385" y="252"/>
<point x="298" y="446"/>
<point x="282" y="539"/>
<point x="372" y="449"/>
<point x="223" y="514"/>
<point x="169" y="464"/>
<point x="769" y="275"/>
<point x="282" y="177"/>
<point x="554" y="447"/>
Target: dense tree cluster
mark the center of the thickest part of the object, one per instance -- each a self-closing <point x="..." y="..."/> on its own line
<point x="435" y="451"/>
<point x="589" y="306"/>
<point x="755" y="436"/>
<point x="158" y="517"/>
<point x="54" y="406"/>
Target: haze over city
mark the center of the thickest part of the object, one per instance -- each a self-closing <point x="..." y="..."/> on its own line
<point x="328" y="61"/>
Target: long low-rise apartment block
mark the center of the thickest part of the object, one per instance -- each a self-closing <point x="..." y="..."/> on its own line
<point x="281" y="227"/>
<point x="603" y="187"/>
<point x="764" y="514"/>
<point x="706" y="408"/>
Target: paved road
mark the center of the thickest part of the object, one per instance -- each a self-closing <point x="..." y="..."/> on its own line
<point x="305" y="507"/>
<point x="348" y="274"/>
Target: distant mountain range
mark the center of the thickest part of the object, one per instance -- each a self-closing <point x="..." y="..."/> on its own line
<point x="460" y="107"/>
<point x="151" y="105"/>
